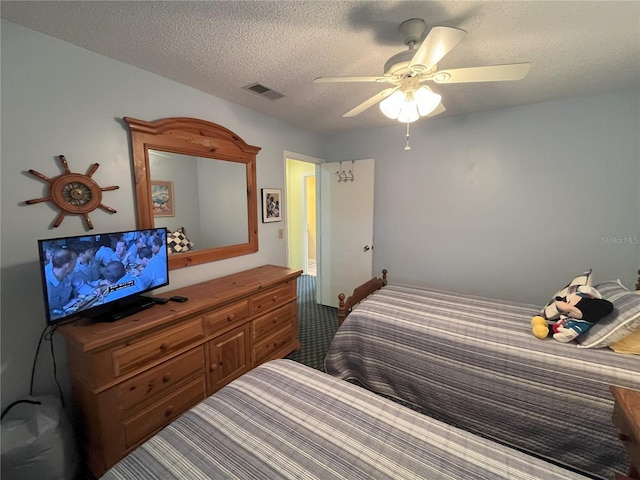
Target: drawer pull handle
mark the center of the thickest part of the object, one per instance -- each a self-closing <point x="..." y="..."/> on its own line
<point x="231" y="317"/>
<point x="166" y="378"/>
<point x="275" y="298"/>
<point x="213" y="367"/>
<point x="164" y="346"/>
<point x="168" y="412"/>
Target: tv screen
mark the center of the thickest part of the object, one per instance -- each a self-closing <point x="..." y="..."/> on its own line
<point x="102" y="276"/>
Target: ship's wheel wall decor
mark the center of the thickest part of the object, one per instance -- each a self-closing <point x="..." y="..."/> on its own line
<point x="73" y="193"/>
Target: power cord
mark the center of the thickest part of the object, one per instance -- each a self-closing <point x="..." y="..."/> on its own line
<point x="47" y="335"/>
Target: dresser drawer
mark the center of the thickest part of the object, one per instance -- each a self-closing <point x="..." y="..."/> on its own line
<point x="273" y="297"/>
<point x="151" y="385"/>
<point x="153" y="347"/>
<point x="271" y="322"/>
<point x="144" y="424"/>
<point x="219" y="321"/>
<point x="262" y="351"/>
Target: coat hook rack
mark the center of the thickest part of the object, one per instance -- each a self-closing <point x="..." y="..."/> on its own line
<point x="343" y="175"/>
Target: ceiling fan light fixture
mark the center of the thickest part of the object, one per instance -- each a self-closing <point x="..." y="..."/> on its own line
<point x="410" y="106"/>
<point x="391" y="105"/>
<point x="427" y="100"/>
<point x="408" y="112"/>
<point x="406" y="100"/>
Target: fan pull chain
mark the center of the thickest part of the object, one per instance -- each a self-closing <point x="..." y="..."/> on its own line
<point x="407" y="147"/>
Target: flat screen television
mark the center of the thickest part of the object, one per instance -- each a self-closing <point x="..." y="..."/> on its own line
<point x="103" y="276"/>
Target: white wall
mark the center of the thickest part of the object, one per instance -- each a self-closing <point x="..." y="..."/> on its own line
<point x="510" y="203"/>
<point x="61" y="99"/>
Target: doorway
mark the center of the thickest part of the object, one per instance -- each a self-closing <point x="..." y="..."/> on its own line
<point x="329" y="212"/>
<point x="300" y="208"/>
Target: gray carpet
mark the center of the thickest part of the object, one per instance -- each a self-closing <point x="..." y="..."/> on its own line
<point x="317" y="325"/>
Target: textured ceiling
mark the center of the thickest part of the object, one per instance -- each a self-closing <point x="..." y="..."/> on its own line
<point x="575" y="48"/>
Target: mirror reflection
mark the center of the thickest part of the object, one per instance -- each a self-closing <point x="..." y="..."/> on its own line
<point x="207" y="197"/>
<point x="200" y="176"/>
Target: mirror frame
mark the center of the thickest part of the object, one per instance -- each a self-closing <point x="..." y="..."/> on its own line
<point x="191" y="136"/>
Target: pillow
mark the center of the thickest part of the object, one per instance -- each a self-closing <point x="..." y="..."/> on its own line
<point x="629" y="344"/>
<point x="178" y="242"/>
<point x="624" y="319"/>
<point x="550" y="312"/>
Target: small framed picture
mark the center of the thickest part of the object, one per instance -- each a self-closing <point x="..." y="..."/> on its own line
<point x="271" y="205"/>
<point x="162" y="198"/>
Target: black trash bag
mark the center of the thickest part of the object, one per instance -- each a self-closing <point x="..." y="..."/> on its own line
<point x="37" y="441"/>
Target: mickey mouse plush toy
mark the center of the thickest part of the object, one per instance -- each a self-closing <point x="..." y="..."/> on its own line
<point x="579" y="313"/>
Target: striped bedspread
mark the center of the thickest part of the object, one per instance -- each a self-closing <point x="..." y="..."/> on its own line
<point x="286" y="420"/>
<point x="473" y="362"/>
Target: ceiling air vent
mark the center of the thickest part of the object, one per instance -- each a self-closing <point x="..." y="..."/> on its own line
<point x="263" y="91"/>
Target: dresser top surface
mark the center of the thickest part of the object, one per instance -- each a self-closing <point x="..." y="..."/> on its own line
<point x="202" y="296"/>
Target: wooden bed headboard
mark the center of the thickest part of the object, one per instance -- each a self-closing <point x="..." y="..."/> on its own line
<point x="366" y="289"/>
<point x="359" y="294"/>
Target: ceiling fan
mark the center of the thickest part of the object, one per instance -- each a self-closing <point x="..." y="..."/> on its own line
<point x="409" y="99"/>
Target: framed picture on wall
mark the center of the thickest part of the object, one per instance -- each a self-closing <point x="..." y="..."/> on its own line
<point x="271" y="205"/>
<point x="162" y="198"/>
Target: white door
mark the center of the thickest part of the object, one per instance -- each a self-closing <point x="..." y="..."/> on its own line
<point x="345" y="221"/>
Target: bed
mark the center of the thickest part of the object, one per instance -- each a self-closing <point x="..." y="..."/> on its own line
<point x="286" y="420"/>
<point x="473" y="362"/>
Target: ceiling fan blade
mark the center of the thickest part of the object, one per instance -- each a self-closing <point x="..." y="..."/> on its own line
<point x="491" y="73"/>
<point x="438" y="110"/>
<point x="438" y="43"/>
<point x="378" y="97"/>
<point x="351" y="79"/>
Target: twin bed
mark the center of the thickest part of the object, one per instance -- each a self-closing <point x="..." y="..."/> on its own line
<point x="285" y="420"/>
<point x="501" y="403"/>
<point x="473" y="362"/>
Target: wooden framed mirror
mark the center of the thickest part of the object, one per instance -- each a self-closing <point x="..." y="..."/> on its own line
<point x="199" y="176"/>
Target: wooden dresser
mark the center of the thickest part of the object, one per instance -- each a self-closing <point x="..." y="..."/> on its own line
<point x="626" y="418"/>
<point x="134" y="376"/>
